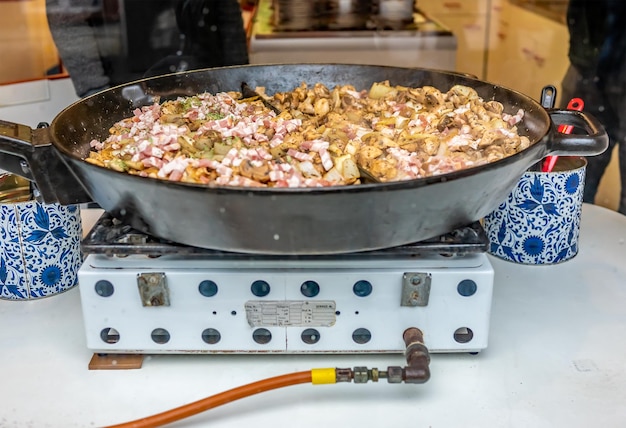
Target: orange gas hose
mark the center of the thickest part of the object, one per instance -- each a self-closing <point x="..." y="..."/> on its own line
<point x="216" y="400"/>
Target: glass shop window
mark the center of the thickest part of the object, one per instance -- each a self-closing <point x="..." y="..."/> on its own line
<point x="26" y="46"/>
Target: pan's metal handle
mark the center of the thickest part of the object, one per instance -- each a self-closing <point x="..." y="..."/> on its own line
<point x="548" y="96"/>
<point x="595" y="142"/>
<point x="29" y="153"/>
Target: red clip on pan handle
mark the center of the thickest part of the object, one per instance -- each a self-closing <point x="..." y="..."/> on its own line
<point x="574" y="104"/>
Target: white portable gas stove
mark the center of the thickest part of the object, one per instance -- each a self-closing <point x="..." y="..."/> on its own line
<point x="144" y="295"/>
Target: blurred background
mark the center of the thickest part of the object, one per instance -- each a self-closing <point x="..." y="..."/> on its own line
<point x="520" y="44"/>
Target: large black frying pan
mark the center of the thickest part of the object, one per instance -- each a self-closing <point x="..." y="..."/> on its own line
<point x="282" y="221"/>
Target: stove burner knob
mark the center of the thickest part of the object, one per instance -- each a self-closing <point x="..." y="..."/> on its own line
<point x="310" y="288"/>
<point x="262" y="336"/>
<point x="207" y="288"/>
<point x="362" y="288"/>
<point x="260" y="288"/>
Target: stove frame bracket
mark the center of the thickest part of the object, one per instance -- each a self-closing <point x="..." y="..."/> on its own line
<point x="415" y="289"/>
<point x="153" y="289"/>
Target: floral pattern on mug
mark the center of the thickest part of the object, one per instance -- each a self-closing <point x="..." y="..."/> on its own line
<point x="40" y="253"/>
<point x="539" y="222"/>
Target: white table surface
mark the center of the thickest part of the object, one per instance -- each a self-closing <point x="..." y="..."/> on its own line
<point x="556" y="358"/>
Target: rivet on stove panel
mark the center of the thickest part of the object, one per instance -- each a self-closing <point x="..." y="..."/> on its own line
<point x="153" y="289"/>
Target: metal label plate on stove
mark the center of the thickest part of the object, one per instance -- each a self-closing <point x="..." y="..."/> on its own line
<point x="290" y="313"/>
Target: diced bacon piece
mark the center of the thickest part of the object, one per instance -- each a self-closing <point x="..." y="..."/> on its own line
<point x="207" y="163"/>
<point x="313" y="145"/>
<point x="294" y="181"/>
<point x="301" y="156"/>
<point x="224" y="170"/>
<point x="260" y="137"/>
<point x="152" y="161"/>
<point x="462" y="140"/>
<point x="154" y="151"/>
<point x="409" y="165"/>
<point x="193" y="115"/>
<point x="176" y="175"/>
<point x="327" y="161"/>
<point x="172" y="147"/>
<point x="262" y="153"/>
<point x="177" y="165"/>
<point x="239" y="181"/>
<point x="248" y="182"/>
<point x="284" y="167"/>
<point x="319" y="145"/>
<point x="95" y="144"/>
<point x="223" y="180"/>
<point x="513" y="119"/>
<point x="230" y="156"/>
<point x="276" y="175"/>
<point x="224" y="123"/>
<point x="237" y="161"/>
<point x="277" y="139"/>
<point x="507" y="133"/>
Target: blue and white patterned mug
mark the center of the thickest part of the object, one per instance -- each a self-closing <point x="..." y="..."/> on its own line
<point x="539" y="222"/>
<point x="40" y="254"/>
